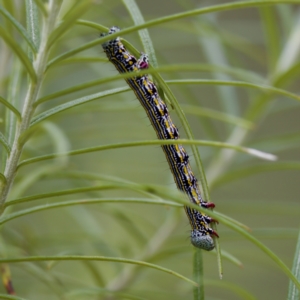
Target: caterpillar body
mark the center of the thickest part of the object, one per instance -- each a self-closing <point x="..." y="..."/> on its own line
<point x="158" y="114"/>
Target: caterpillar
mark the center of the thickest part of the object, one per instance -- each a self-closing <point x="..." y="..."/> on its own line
<point x="158" y="114"/>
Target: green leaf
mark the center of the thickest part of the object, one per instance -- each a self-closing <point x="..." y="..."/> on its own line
<point x="94" y="25"/>
<point x="250" y="151"/>
<point x="227" y="221"/>
<point x="32" y="22"/>
<point x="5" y="143"/>
<point x="154" y="22"/>
<point x="289" y="54"/>
<point x="2" y="178"/>
<point x="53" y="111"/>
<point x="253" y="170"/>
<point x="167" y="69"/>
<point x="178" y="199"/>
<point x="214" y="114"/>
<point x="236" y="289"/>
<point x="97" y="291"/>
<point x="278" y="142"/>
<point x="42" y="7"/>
<point x="272" y="34"/>
<point x="267" y="251"/>
<point x="69" y="19"/>
<point x="8" y="297"/>
<point x="231" y="258"/>
<point x="11" y="107"/>
<point x="15" y="47"/>
<point x="44" y="207"/>
<point x="264" y="88"/>
<point x="111" y="186"/>
<point x="19" y="27"/>
<point x="83" y="59"/>
<point x="138" y="18"/>
<point x="213" y="43"/>
<point x="98" y="258"/>
<point x="294" y="292"/>
<point x="58" y="137"/>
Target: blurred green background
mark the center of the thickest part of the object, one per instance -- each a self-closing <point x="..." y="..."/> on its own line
<point x="256" y="45"/>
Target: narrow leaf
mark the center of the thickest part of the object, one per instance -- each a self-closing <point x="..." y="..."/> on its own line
<point x="98" y="258"/>
<point x="2" y="178"/>
<point x="272" y="36"/>
<point x="68" y="21"/>
<point x="253" y="170"/>
<point x="42" y="7"/>
<point x="32" y="22"/>
<point x="294" y="292"/>
<point x="8" y="297"/>
<point x="11" y="107"/>
<point x="71" y="104"/>
<point x="19" y="27"/>
<point x="289" y="54"/>
<point x="145" y="143"/>
<point x="4" y="142"/>
<point x="84" y="59"/>
<point x="127" y="186"/>
<point x="214" y="114"/>
<point x="44" y="207"/>
<point x="138" y="18"/>
<point x="238" y="83"/>
<point x="94" y="25"/>
<point x="242" y="293"/>
<point x="15" y="47"/>
<point x="166" y="69"/>
<point x="243" y="232"/>
<point x="154" y="22"/>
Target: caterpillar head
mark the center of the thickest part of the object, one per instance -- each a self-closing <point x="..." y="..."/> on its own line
<point x="202" y="240"/>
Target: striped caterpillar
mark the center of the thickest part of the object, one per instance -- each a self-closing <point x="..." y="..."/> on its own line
<point x="157" y="111"/>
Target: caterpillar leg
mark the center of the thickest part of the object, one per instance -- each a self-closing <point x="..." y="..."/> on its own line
<point x="213" y="232"/>
<point x="143" y="62"/>
<point x="207" y="204"/>
<point x="210" y="220"/>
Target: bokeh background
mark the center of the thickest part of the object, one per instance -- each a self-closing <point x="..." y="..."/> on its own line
<point x="256" y="45"/>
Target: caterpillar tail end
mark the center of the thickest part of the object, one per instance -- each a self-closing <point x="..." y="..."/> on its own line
<point x="201" y="241"/>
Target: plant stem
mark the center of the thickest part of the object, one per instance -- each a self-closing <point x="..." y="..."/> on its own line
<point x="39" y="65"/>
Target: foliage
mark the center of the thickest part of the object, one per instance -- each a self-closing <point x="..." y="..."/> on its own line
<point x="86" y="212"/>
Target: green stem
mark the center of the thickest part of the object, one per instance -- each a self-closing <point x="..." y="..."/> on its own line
<point x="39" y="65"/>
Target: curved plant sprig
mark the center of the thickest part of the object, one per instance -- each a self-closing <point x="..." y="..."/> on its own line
<point x="11" y="108"/>
<point x="20" y="53"/>
<point x="102" y="187"/>
<point x="294" y="291"/>
<point x="96" y="258"/>
<point x="249" y="151"/>
<point x="10" y="297"/>
<point x="20" y="28"/>
<point x="179" y="68"/>
<point x="260" y="103"/>
<point x="253" y="170"/>
<point x="167" y="69"/>
<point x="175" y="196"/>
<point x="155" y="22"/>
<point x="36" y="71"/>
